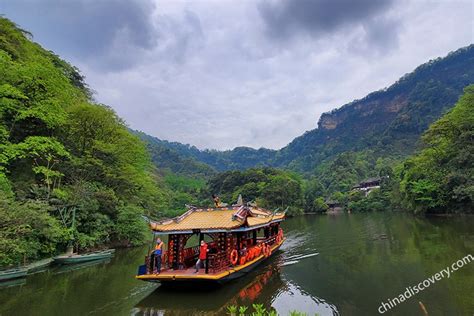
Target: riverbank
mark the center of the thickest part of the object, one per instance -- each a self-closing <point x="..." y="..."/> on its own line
<point x="328" y="265"/>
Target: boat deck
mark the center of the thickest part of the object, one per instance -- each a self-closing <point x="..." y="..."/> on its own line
<point x="185" y="272"/>
<point x="188" y="274"/>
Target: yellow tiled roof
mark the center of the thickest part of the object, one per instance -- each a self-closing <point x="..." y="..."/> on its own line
<point x="258" y="211"/>
<point x="254" y="221"/>
<point x="202" y="219"/>
<point x="214" y="219"/>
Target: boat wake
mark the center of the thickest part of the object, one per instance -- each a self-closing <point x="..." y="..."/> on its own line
<point x="296" y="258"/>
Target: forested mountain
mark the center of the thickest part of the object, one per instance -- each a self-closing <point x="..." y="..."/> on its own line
<point x="71" y="173"/>
<point x="388" y="122"/>
<point x="239" y="158"/>
<point x="173" y="157"/>
<point x="440" y="178"/>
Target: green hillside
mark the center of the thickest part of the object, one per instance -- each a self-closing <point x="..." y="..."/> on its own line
<point x="171" y="160"/>
<point x="440" y="178"/>
<point x="389" y="121"/>
<point x="62" y="154"/>
<point x="239" y="158"/>
<point x="386" y="123"/>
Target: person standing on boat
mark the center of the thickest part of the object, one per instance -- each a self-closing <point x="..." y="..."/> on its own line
<point x="202" y="255"/>
<point x="156" y="256"/>
<point x="217" y="200"/>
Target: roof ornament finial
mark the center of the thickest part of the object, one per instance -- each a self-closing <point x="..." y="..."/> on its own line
<point x="217" y="201"/>
<point x="240" y="201"/>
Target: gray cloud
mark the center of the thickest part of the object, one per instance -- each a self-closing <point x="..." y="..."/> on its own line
<point x="287" y="19"/>
<point x="179" y="36"/>
<point x="110" y="34"/>
<point x="221" y="74"/>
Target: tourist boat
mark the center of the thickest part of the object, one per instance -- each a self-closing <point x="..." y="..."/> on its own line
<point x="79" y="258"/>
<point x="23" y="271"/>
<point x="239" y="238"/>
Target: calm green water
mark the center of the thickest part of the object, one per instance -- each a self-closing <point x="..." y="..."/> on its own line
<point x="345" y="264"/>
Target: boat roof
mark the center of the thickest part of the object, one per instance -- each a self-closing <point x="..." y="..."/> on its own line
<point x="221" y="219"/>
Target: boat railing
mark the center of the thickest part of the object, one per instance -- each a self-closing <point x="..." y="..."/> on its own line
<point x="268" y="241"/>
<point x="218" y="262"/>
<point x="189" y="256"/>
<point x="271" y="240"/>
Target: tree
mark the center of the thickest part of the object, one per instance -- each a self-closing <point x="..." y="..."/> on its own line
<point x="441" y="177"/>
<point x="46" y="153"/>
<point x="319" y="205"/>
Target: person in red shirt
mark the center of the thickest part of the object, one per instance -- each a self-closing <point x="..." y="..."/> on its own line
<point x="202" y="255"/>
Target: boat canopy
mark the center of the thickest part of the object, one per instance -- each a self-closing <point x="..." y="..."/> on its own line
<point x="220" y="219"/>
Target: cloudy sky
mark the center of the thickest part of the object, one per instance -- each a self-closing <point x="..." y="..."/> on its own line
<point x="220" y="74"/>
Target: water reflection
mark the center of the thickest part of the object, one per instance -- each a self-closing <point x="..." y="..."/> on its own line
<point x="302" y="301"/>
<point x="331" y="265"/>
<point x="72" y="267"/>
<point x="12" y="283"/>
<point x="265" y="286"/>
<point x="212" y="301"/>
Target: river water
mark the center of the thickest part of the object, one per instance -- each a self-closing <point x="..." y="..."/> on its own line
<point x="344" y="264"/>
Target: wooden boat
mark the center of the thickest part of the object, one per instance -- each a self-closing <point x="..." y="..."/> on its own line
<point x="11" y="274"/>
<point x="241" y="238"/>
<point x="39" y="266"/>
<point x="23" y="271"/>
<point x="79" y="258"/>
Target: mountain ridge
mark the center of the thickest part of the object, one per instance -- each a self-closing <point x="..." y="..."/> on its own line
<point x="387" y="121"/>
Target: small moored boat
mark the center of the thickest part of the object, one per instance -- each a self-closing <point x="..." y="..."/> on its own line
<point x="23" y="271"/>
<point x="239" y="238"/>
<point x="79" y="258"/>
<point x="38" y="266"/>
<point x="11" y="274"/>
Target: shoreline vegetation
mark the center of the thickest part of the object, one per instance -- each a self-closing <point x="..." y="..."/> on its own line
<point x="259" y="310"/>
<point x="73" y="173"/>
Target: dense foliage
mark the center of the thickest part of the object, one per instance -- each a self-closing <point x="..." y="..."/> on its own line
<point x="440" y="179"/>
<point x="239" y="158"/>
<point x="70" y="171"/>
<point x="169" y="159"/>
<point x="269" y="188"/>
